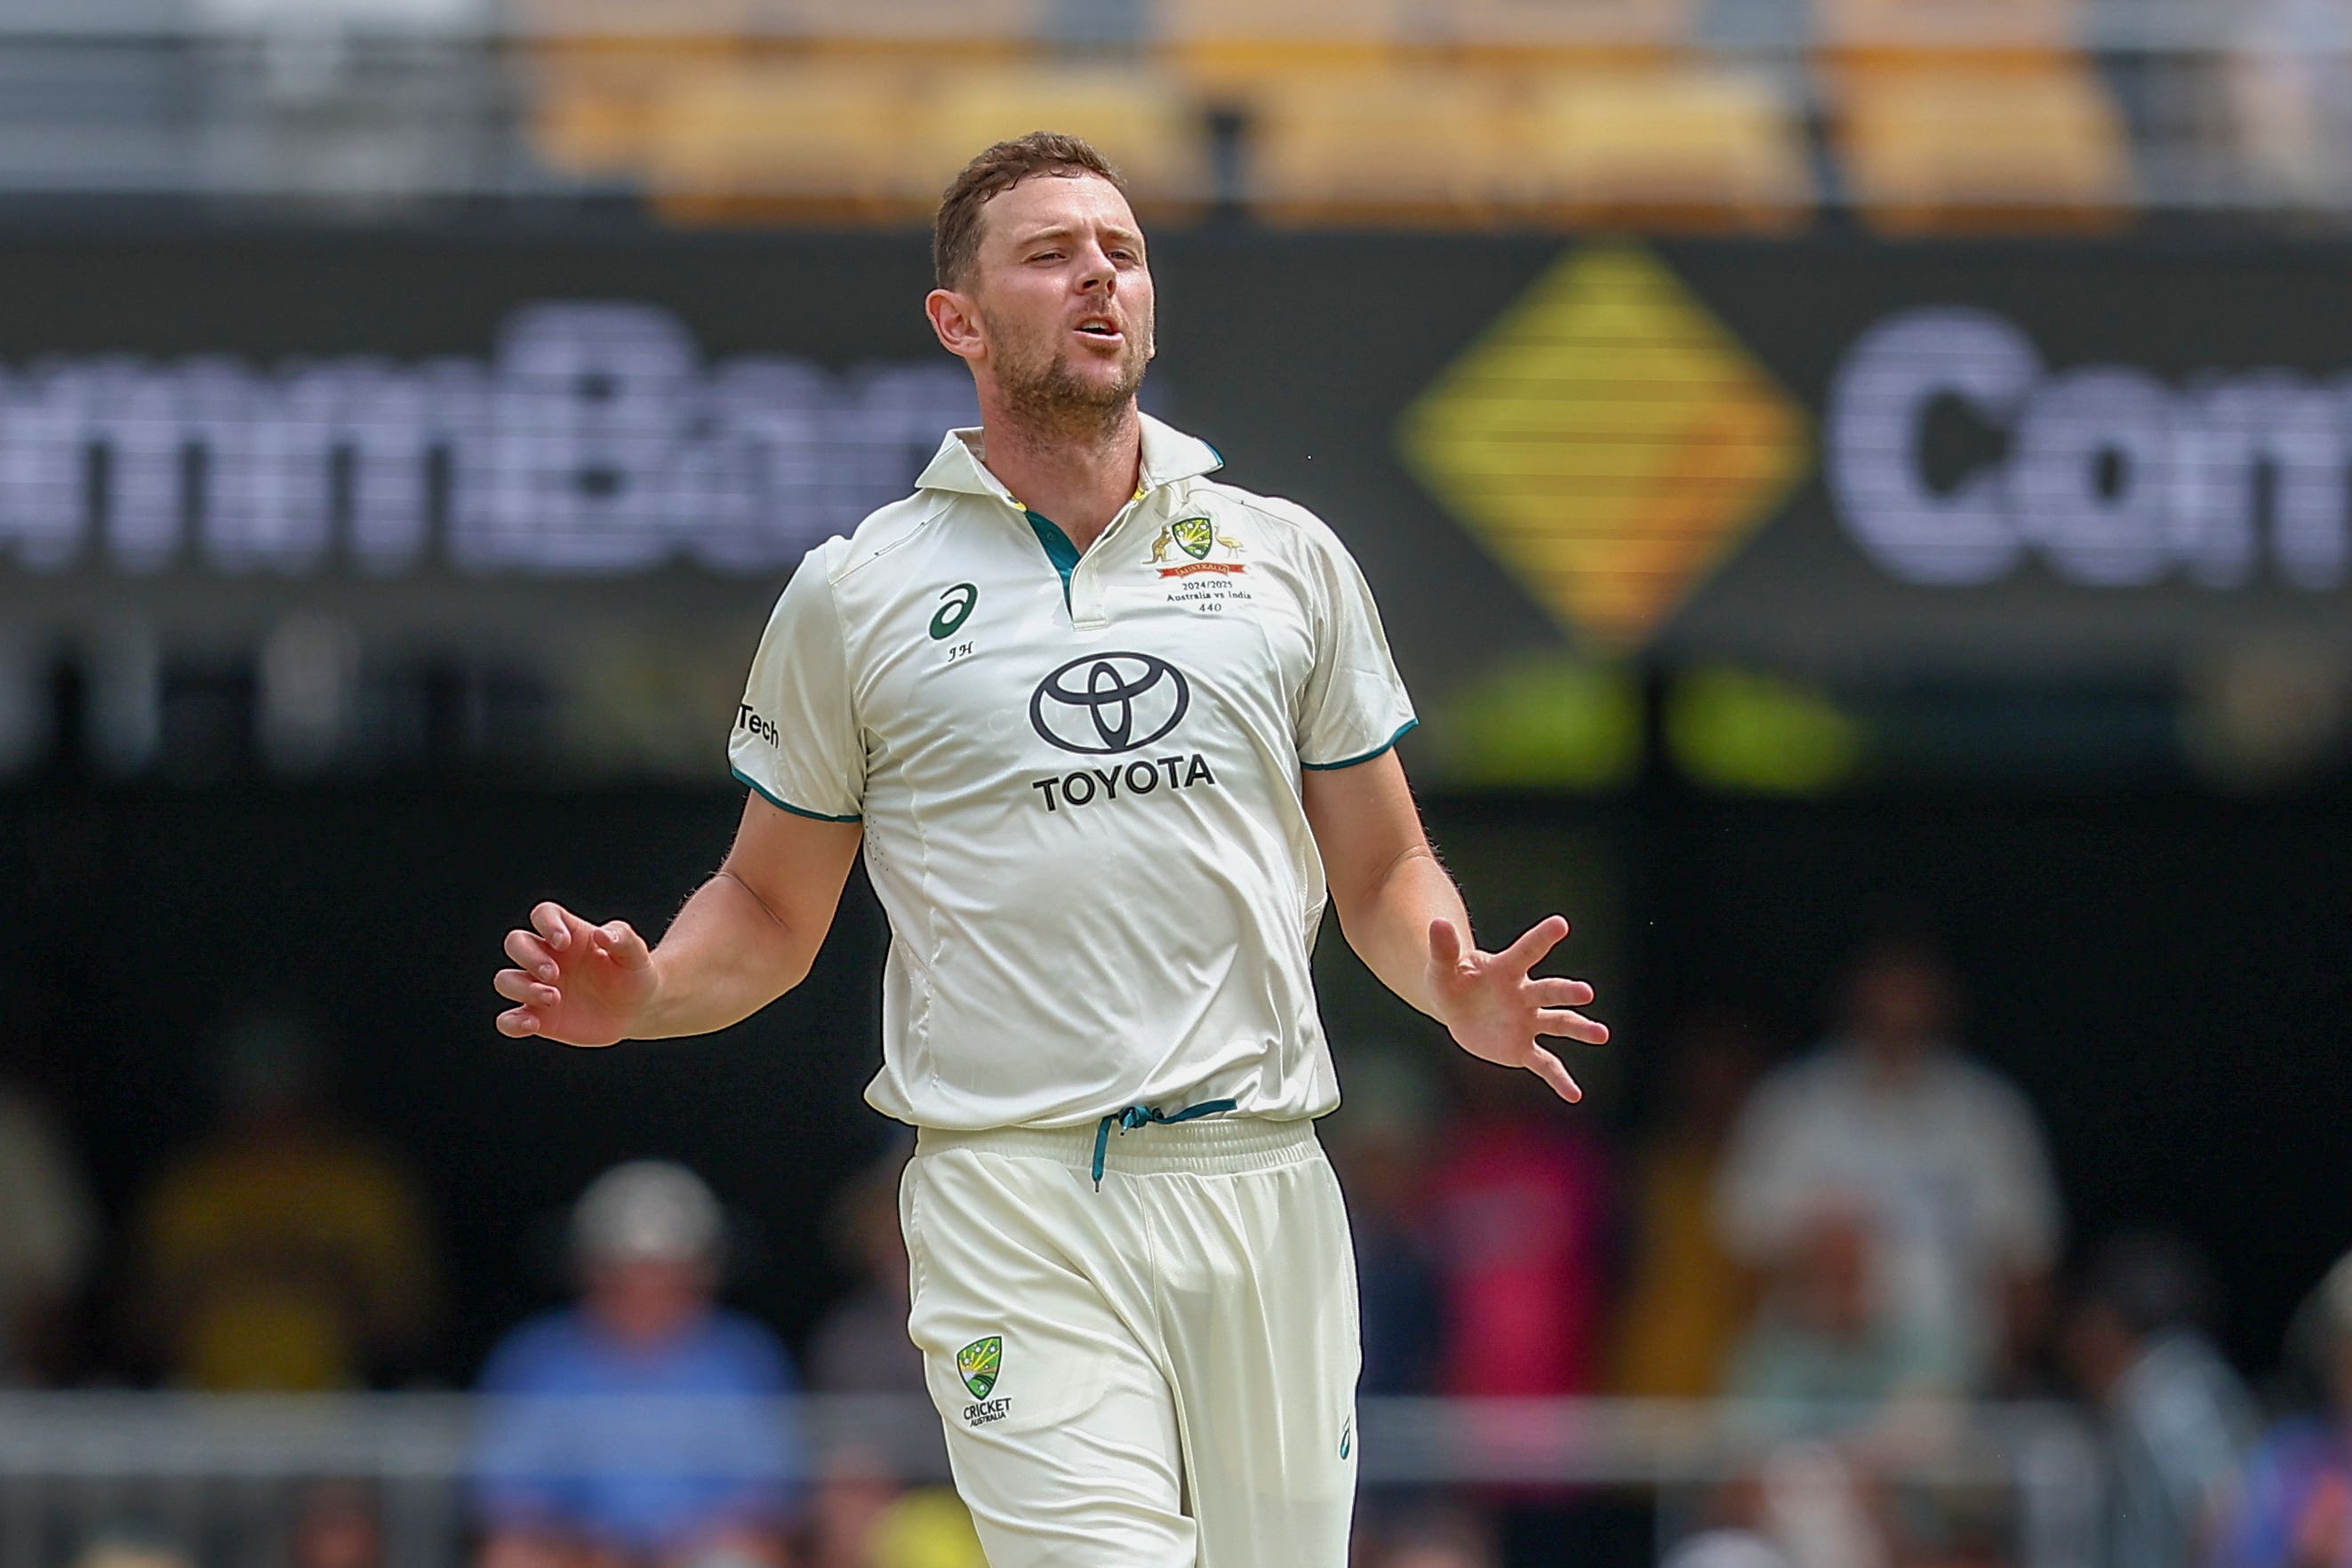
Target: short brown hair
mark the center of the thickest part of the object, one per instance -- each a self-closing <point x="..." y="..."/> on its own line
<point x="955" y="236"/>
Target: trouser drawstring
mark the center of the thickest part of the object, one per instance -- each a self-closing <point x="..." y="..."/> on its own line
<point x="1136" y="1116"/>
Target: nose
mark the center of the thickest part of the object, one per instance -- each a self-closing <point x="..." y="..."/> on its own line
<point x="1096" y="273"/>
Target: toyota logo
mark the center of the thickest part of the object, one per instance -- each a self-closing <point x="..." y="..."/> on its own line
<point x="1107" y="702"/>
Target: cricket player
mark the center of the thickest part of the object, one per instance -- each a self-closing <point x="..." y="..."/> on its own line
<point x="1110" y="732"/>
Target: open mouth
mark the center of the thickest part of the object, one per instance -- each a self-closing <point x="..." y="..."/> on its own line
<point x="1099" y="327"/>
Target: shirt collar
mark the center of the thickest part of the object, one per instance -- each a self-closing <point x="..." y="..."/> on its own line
<point x="1169" y="455"/>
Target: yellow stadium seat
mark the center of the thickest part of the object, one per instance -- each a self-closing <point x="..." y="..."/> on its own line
<point x="1151" y="130"/>
<point x="593" y="103"/>
<point x="1953" y="31"/>
<point x="1237" y="45"/>
<point x="595" y="69"/>
<point x="1521" y="31"/>
<point x="1938" y="149"/>
<point x="788" y="140"/>
<point x="1417" y="146"/>
<point x="952" y="31"/>
<point x="1686" y="146"/>
<point x="637" y="21"/>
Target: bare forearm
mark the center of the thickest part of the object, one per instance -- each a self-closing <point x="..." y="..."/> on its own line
<point x="1390" y="930"/>
<point x="725" y="957"/>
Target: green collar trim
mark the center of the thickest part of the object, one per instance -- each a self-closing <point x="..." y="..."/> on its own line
<point x="1058" y="549"/>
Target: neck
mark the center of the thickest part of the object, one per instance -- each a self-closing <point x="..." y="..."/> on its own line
<point x="1074" y="465"/>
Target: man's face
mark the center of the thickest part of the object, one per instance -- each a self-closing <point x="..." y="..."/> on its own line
<point x="1902" y="1008"/>
<point x="1063" y="295"/>
<point x="647" y="1301"/>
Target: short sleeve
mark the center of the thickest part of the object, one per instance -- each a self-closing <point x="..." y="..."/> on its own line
<point x="797" y="740"/>
<point x="1353" y="706"/>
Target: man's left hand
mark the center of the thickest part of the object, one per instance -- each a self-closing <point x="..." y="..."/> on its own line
<point x="1498" y="1012"/>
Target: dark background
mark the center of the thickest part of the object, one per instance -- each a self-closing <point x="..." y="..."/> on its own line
<point x="2165" y="974"/>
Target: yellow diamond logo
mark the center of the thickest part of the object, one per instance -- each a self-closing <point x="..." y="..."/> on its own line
<point x="1609" y="441"/>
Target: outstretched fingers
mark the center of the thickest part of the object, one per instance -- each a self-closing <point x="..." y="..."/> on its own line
<point x="1551" y="991"/>
<point x="1560" y="1022"/>
<point x="1546" y="1066"/>
<point x="1529" y="951"/>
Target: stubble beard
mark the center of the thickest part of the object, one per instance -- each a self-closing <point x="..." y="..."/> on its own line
<point x="1047" y="393"/>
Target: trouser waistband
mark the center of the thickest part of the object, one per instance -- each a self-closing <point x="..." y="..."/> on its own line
<point x="1212" y="1145"/>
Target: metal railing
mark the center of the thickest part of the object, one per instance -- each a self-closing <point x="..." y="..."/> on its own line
<point x="222" y="1479"/>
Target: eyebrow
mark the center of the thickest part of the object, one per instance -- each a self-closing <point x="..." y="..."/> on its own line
<point x="1065" y="231"/>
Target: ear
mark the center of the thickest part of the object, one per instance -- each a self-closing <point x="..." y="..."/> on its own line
<point x="957" y="322"/>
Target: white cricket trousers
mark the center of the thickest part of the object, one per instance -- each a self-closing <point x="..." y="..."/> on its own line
<point x="1159" y="1374"/>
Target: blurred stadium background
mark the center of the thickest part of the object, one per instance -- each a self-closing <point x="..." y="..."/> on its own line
<point x="1859" y="489"/>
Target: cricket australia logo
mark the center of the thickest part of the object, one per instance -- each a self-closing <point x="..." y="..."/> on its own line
<point x="978" y="1364"/>
<point x="1199" y="539"/>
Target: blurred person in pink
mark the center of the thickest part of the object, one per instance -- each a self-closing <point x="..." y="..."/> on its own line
<point x="1523" y="1216"/>
<point x="2292" y="1506"/>
<point x="1687" y="1298"/>
<point x="1939" y="1159"/>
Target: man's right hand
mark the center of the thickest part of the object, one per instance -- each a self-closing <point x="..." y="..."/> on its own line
<point x="582" y="985"/>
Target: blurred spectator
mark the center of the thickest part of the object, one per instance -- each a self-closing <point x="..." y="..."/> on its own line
<point x="1940" y="1158"/>
<point x="1823" y="1346"/>
<point x="1436" y="1538"/>
<point x="337" y="1527"/>
<point x="925" y="1528"/>
<point x="291" y="1252"/>
<point x="1688" y="1298"/>
<point x="48" y="1234"/>
<point x="132" y="1547"/>
<point x="1523" y="1212"/>
<point x="642" y="1425"/>
<point x="853" y="1492"/>
<point x="2294" y="1503"/>
<point x="863" y="1515"/>
<point x="2288" y="97"/>
<point x="1822" y="1510"/>
<point x="2177" y="1421"/>
<point x="1379" y="1148"/>
<point x="863" y="1518"/>
<point x="861" y="1344"/>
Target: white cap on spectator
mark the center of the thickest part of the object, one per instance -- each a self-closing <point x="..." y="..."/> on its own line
<point x="648" y="1211"/>
<point x="1726" y="1549"/>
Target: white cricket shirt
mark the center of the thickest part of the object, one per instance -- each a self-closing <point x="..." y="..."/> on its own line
<point x="1079" y="781"/>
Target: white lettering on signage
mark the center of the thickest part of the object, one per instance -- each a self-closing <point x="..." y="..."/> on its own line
<point x="595" y="440"/>
<point x="2112" y="479"/>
